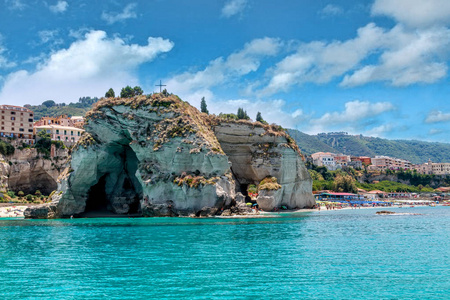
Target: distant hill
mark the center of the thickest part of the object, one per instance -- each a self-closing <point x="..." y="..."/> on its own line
<point x="412" y="150"/>
<point x="51" y="109"/>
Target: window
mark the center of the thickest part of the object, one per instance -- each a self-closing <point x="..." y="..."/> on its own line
<point x="12" y="124"/>
<point x="30" y="130"/>
<point x="57" y="131"/>
<point x="30" y="120"/>
<point x="31" y="115"/>
<point x="21" y="124"/>
<point x="65" y="133"/>
<point x="59" y="138"/>
<point x="3" y="128"/>
<point x="67" y="139"/>
<point x="48" y="131"/>
<point x="13" y="112"/>
<point x="78" y="133"/>
<point x="73" y="140"/>
<point x="21" y="129"/>
<point x="21" y="114"/>
<point x="13" y="118"/>
<point x="12" y="129"/>
<point x="71" y="133"/>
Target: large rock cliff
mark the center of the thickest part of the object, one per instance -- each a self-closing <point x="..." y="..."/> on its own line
<point x="27" y="170"/>
<point x="158" y="156"/>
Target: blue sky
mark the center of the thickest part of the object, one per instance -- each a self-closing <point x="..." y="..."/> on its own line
<point x="365" y="67"/>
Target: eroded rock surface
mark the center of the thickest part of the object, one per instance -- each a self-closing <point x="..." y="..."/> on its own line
<point x="158" y="156"/>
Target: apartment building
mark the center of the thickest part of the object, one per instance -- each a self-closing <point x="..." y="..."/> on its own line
<point x="63" y="120"/>
<point x="434" y="168"/>
<point x="16" y="122"/>
<point x="67" y="134"/>
<point x="386" y="162"/>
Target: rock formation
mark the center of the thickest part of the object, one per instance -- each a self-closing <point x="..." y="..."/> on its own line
<point x="26" y="170"/>
<point x="158" y="156"/>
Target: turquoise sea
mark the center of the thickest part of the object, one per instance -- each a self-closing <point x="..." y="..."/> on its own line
<point x="349" y="254"/>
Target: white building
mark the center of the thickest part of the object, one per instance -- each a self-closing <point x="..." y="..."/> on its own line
<point x="325" y="159"/>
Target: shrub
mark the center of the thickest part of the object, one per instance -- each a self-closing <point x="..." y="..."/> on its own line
<point x="269" y="183"/>
<point x="20" y="194"/>
<point x="38" y="193"/>
<point x="11" y="194"/>
<point x="29" y="197"/>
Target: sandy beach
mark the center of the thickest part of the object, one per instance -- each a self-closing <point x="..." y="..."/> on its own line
<point x="8" y="210"/>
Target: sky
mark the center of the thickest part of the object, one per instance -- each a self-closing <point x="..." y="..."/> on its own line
<point x="377" y="68"/>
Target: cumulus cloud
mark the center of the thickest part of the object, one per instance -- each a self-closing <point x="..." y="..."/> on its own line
<point x="415" y="13"/>
<point x="437" y="116"/>
<point x="402" y="57"/>
<point x="90" y="66"/>
<point x="410" y="57"/>
<point x="127" y="13"/>
<point x="354" y="111"/>
<point x="320" y="62"/>
<point x="59" y="7"/>
<point x="331" y="10"/>
<point x="233" y="7"/>
<point x="222" y="70"/>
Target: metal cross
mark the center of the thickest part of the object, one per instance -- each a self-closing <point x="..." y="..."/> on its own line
<point x="160" y="85"/>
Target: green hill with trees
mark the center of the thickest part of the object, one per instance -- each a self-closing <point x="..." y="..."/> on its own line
<point x="359" y="145"/>
<point x="51" y="109"/>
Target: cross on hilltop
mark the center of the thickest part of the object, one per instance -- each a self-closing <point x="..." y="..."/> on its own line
<point x="160" y="85"/>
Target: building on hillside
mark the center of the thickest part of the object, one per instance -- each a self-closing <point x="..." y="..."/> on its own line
<point x="342" y="160"/>
<point x="77" y="121"/>
<point x="325" y="159"/>
<point x="363" y="159"/>
<point x="433" y="168"/>
<point x="386" y="162"/>
<point x="17" y="122"/>
<point x="67" y="134"/>
<point x="63" y="120"/>
<point x="356" y="164"/>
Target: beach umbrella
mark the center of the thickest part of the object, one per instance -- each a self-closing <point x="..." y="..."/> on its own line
<point x="248" y="204"/>
<point x="255" y="204"/>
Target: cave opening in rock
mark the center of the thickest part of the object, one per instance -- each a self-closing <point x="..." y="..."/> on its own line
<point x="118" y="191"/>
<point x="97" y="200"/>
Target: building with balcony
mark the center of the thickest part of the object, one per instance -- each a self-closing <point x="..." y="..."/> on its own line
<point x="67" y="134"/>
<point x="17" y="122"/>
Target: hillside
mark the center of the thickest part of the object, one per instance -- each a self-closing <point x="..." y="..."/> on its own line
<point x="51" y="109"/>
<point x="412" y="150"/>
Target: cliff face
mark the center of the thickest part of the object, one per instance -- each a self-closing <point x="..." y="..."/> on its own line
<point x="28" y="171"/>
<point x="256" y="153"/>
<point x="159" y="156"/>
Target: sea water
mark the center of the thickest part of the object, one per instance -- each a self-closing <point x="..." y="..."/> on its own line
<point x="348" y="254"/>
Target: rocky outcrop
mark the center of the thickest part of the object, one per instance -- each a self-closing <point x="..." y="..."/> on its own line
<point x="158" y="156"/>
<point x="26" y="170"/>
<point x="257" y="152"/>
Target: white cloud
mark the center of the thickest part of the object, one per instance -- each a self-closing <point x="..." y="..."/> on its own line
<point x="354" y="113"/>
<point x="415" y="13"/>
<point x="437" y="116"/>
<point x="4" y="62"/>
<point x="90" y="66"/>
<point x="233" y="7"/>
<point x="49" y="37"/>
<point x="127" y="13"/>
<point x="15" y="4"/>
<point x="331" y="10"/>
<point x="59" y="7"/>
<point x="401" y="57"/>
<point x="410" y="57"/>
<point x="434" y="131"/>
<point x="221" y="70"/>
<point x="380" y="131"/>
<point x="320" y="62"/>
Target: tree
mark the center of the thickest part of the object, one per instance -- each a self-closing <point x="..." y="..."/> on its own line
<point x="49" y="103"/>
<point x="259" y="117"/>
<point x="344" y="183"/>
<point x="20" y="194"/>
<point x="127" y="92"/>
<point x="38" y="193"/>
<point x="110" y="93"/>
<point x="137" y="91"/>
<point x="242" y="114"/>
<point x="203" y="106"/>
